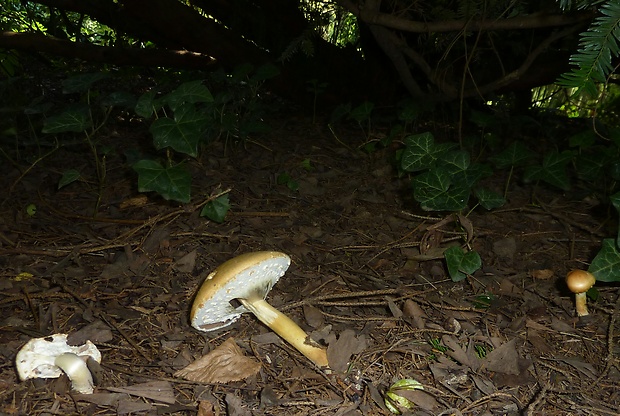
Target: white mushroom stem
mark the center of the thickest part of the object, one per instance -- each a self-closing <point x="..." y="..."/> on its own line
<point x="581" y="304"/>
<point x="76" y="369"/>
<point x="287" y="329"/>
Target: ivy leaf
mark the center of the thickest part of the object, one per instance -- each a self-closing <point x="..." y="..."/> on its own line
<point x="434" y="192"/>
<point x="489" y="199"/>
<point x="362" y="111"/>
<point x="171" y="183"/>
<point x="189" y="92"/>
<point x="183" y="134"/>
<point x="146" y="104"/>
<point x="217" y="209"/>
<point x="421" y="152"/>
<point x="455" y="161"/>
<point x="615" y="200"/>
<point x="553" y="170"/>
<point x="606" y="265"/>
<point x="75" y="119"/>
<point x="514" y="155"/>
<point x="461" y="264"/>
<point x="68" y="176"/>
<point x="81" y="82"/>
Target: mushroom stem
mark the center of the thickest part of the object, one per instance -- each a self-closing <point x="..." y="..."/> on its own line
<point x="581" y="304"/>
<point x="286" y="328"/>
<point x="76" y="369"/>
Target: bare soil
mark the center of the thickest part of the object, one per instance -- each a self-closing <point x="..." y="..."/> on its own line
<point x="366" y="280"/>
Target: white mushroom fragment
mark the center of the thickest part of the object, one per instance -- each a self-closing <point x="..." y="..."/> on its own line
<point x="246" y="280"/>
<point x="76" y="369"/>
<point x="49" y="357"/>
<point x="579" y="282"/>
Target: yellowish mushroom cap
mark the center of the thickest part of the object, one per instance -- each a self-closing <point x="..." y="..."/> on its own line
<point x="246" y="276"/>
<point x="580" y="281"/>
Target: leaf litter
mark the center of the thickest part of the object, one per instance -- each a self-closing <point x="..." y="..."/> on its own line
<point x="367" y="281"/>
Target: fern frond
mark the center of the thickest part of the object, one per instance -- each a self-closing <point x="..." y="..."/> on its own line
<point x="596" y="48"/>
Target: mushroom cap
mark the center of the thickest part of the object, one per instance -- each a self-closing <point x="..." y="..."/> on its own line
<point x="37" y="358"/>
<point x="579" y="281"/>
<point x="242" y="277"/>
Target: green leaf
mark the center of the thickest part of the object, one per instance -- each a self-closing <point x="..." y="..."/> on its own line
<point x="68" y="176"/>
<point x="434" y="192"/>
<point x="183" y="134"/>
<point x="119" y="99"/>
<point x="606" y="265"/>
<point x="553" y="170"/>
<point x="594" y="54"/>
<point x="583" y="139"/>
<point x="75" y="119"/>
<point x="217" y="209"/>
<point x="421" y="152"/>
<point x="489" y="199"/>
<point x="145" y="105"/>
<point x="189" y="92"/>
<point x="265" y="72"/>
<point x="362" y="111"/>
<point x="461" y="264"/>
<point x="173" y="183"/>
<point x="591" y="166"/>
<point x="455" y="161"/>
<point x="615" y="200"/>
<point x="514" y="155"/>
<point x="81" y="82"/>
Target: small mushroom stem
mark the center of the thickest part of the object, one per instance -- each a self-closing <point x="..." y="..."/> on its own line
<point x="287" y="329"/>
<point x="580" y="304"/>
<point x="76" y="369"/>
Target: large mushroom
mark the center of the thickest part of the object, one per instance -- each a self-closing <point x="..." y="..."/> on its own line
<point x="240" y="285"/>
<point x="579" y="282"/>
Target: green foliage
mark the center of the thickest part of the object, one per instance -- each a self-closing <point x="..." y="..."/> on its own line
<point x="446" y="176"/>
<point x="217" y="209"/>
<point x="606" y="265"/>
<point x="172" y="183"/>
<point x="597" y="47"/>
<point x="461" y="264"/>
<point x="189" y="117"/>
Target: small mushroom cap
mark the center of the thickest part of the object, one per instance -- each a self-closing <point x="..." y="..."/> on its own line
<point x="242" y="277"/>
<point x="37" y="358"/>
<point x="579" y="281"/>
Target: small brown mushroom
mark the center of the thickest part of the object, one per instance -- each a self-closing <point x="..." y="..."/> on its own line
<point x="579" y="282"/>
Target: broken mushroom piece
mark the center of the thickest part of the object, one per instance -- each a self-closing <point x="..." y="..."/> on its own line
<point x="579" y="282"/>
<point x="49" y="357"/>
<point x="76" y="369"/>
<point x="240" y="285"/>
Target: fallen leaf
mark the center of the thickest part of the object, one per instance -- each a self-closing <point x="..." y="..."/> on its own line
<point x="161" y="391"/>
<point x="313" y="315"/>
<point x="234" y="406"/>
<point x="224" y="364"/>
<point x="186" y="263"/>
<point x="205" y="408"/>
<point x="503" y="359"/>
<point x="542" y="274"/>
<point x="339" y="352"/>
<point x="414" y="314"/>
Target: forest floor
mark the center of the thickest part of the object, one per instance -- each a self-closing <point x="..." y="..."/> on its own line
<point x="366" y="279"/>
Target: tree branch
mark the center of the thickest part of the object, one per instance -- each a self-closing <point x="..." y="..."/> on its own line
<point x="527" y="63"/>
<point x="35" y="42"/>
<point x="532" y="21"/>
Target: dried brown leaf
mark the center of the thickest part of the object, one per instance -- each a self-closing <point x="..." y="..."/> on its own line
<point x="339" y="352"/>
<point x="161" y="391"/>
<point x="224" y="364"/>
<point x="313" y="315"/>
<point x="186" y="263"/>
